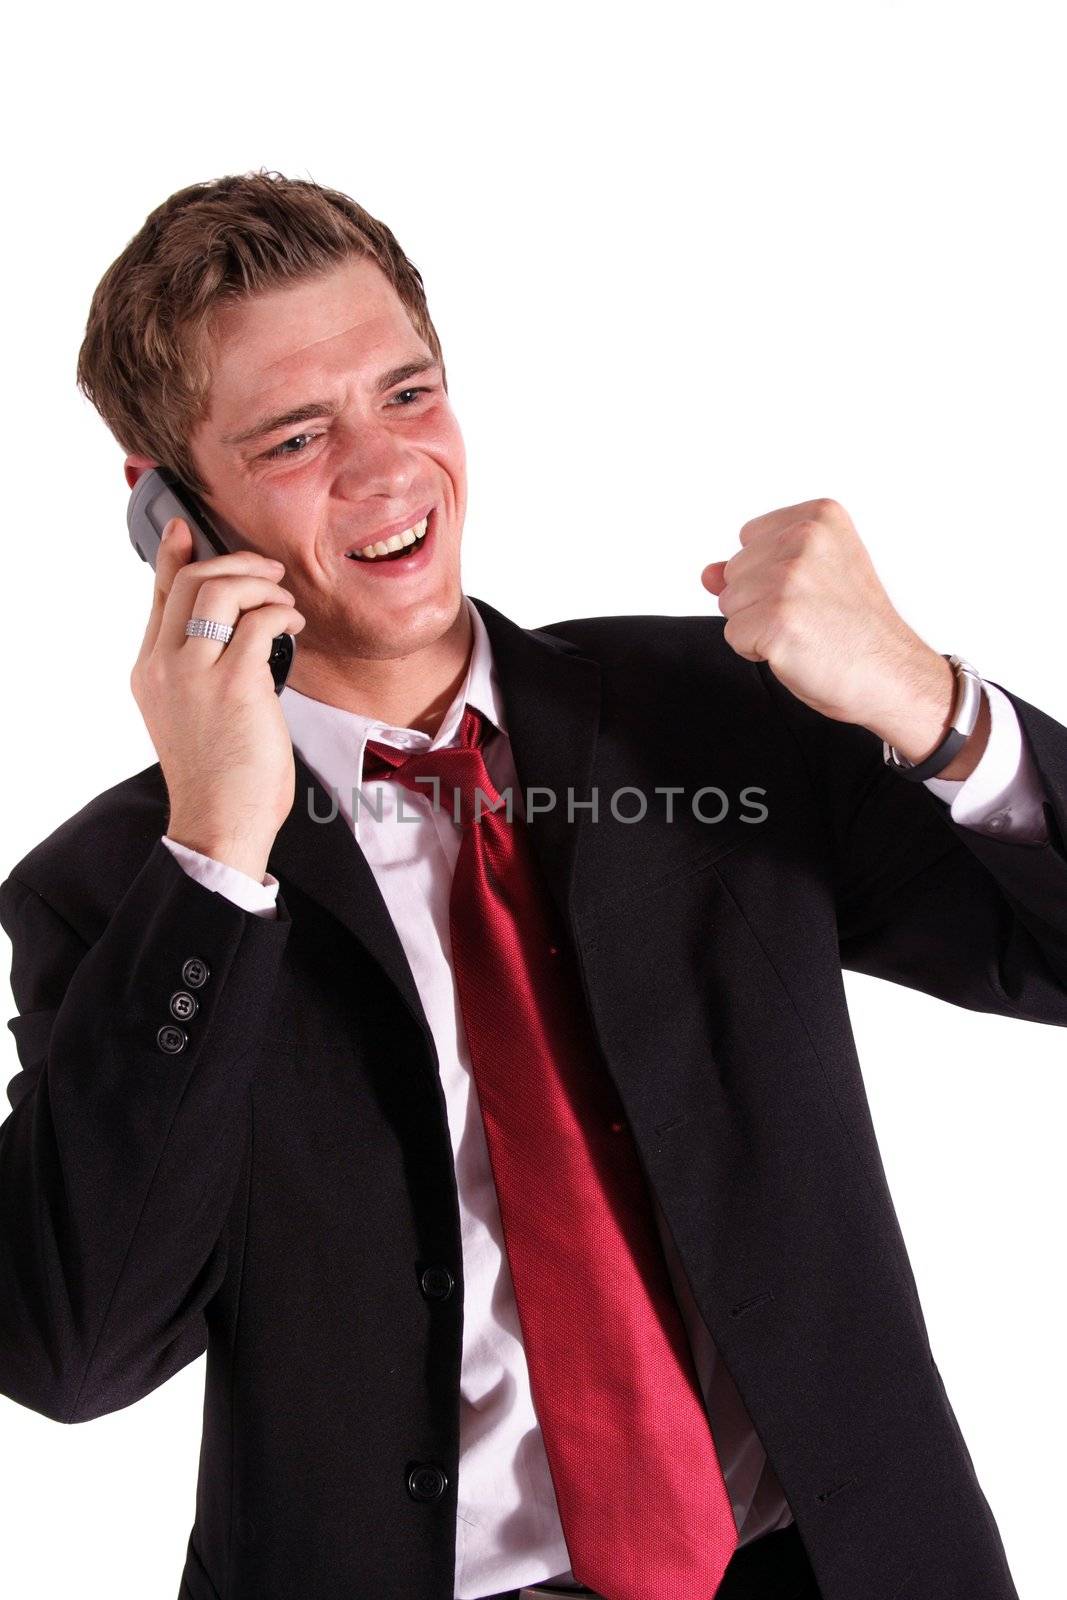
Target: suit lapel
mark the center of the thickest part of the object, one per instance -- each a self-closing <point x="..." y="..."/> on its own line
<point x="316" y="854"/>
<point x="551" y="701"/>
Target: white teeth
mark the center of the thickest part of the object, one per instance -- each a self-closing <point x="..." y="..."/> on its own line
<point x="398" y="541"/>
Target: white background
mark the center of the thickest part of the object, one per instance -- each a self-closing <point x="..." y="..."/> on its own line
<point x="687" y="267"/>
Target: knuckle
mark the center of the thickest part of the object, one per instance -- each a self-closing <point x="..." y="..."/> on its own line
<point x="808" y="538"/>
<point x="826" y="509"/>
<point x="212" y="581"/>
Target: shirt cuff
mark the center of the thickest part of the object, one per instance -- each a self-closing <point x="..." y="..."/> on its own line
<point x="1002" y="797"/>
<point x="233" y="884"/>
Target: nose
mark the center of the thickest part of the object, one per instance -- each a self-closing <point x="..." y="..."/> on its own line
<point x="377" y="462"/>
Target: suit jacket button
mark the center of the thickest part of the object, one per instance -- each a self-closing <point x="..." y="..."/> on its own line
<point x="437" y="1283"/>
<point x="182" y="1005"/>
<point x="171" y="1039"/>
<point x="426" y="1482"/>
<point x="195" y="973"/>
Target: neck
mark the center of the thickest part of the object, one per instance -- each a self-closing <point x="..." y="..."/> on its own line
<point x="412" y="691"/>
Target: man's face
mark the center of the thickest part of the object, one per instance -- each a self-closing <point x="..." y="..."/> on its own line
<point x="374" y="449"/>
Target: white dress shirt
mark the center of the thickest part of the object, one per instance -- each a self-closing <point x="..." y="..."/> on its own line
<point x="508" y="1531"/>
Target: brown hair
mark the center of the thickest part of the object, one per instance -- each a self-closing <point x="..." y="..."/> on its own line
<point x="144" y="360"/>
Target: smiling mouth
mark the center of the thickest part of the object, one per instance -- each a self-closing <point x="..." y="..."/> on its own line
<point x="397" y="548"/>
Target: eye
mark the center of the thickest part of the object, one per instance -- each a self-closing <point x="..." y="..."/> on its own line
<point x="283" y="448"/>
<point x="400" y="394"/>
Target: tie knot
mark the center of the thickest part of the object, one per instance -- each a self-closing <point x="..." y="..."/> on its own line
<point x="451" y="777"/>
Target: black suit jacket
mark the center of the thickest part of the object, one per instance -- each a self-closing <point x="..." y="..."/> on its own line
<point x="281" y="1191"/>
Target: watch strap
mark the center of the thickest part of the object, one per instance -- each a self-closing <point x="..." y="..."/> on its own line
<point x="965" y="711"/>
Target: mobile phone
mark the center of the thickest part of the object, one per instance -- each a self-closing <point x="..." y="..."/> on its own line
<point x="158" y="495"/>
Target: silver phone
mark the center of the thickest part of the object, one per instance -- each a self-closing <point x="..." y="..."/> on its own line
<point x="159" y="495"/>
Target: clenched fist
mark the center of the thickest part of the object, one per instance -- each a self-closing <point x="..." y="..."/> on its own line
<point x="803" y="595"/>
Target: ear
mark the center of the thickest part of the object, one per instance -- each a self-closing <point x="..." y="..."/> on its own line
<point x="135" y="465"/>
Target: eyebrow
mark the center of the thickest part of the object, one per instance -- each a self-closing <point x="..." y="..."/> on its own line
<point x="327" y="408"/>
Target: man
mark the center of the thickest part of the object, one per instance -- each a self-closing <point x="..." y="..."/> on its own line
<point x="454" y="1045"/>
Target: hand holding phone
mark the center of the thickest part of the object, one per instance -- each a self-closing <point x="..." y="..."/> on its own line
<point x="160" y="495"/>
<point x="211" y="711"/>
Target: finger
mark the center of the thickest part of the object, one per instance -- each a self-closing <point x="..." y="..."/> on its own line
<point x="216" y="587"/>
<point x="772" y="521"/>
<point x="749" y="631"/>
<point x="177" y="554"/>
<point x="713" y="576"/>
<point x="220" y="599"/>
<point x="822" y="510"/>
<point x="759" y="526"/>
<point x="250" y="646"/>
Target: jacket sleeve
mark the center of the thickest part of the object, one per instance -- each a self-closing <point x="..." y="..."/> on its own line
<point x="927" y="901"/>
<point x="120" y="1157"/>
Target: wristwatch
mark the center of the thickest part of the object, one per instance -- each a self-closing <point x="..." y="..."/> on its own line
<point x="964" y="716"/>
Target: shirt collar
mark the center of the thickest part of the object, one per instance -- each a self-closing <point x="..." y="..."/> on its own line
<point x="332" y="741"/>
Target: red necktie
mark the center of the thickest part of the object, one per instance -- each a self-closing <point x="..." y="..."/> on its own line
<point x="640" y="1492"/>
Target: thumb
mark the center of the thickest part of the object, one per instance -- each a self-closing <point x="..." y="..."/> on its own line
<point x="712" y="577"/>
